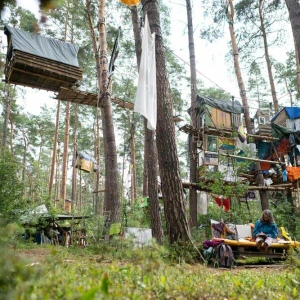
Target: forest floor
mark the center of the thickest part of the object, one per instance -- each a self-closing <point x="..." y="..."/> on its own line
<point x="40" y="255"/>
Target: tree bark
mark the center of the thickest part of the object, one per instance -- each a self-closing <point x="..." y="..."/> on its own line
<point x="63" y="187"/>
<point x="6" y="115"/>
<point x="269" y="67"/>
<point x="132" y="160"/>
<point x="112" y="194"/>
<point x="193" y="146"/>
<point x="174" y="205"/>
<point x="259" y="177"/>
<point x="150" y="184"/>
<point x="294" y="13"/>
<point x="74" y="169"/>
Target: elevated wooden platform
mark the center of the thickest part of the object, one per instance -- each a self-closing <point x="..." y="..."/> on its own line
<point x="33" y="71"/>
<point x="87" y="98"/>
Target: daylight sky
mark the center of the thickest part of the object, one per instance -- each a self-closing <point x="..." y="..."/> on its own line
<point x="210" y="58"/>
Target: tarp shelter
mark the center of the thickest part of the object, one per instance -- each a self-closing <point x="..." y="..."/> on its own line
<point x="85" y="162"/>
<point x="41" y="211"/>
<point x="141" y="236"/>
<point x="218" y="113"/>
<point x="40" y="62"/>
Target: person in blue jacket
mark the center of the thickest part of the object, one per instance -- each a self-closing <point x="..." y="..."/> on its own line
<point x="265" y="230"/>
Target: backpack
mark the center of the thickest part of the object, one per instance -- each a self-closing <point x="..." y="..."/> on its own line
<point x="223" y="256"/>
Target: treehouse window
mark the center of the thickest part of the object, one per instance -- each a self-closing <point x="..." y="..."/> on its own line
<point x="262" y="120"/>
<point x="212" y="143"/>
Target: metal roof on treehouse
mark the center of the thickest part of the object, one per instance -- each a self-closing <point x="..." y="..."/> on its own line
<point x="40" y="62"/>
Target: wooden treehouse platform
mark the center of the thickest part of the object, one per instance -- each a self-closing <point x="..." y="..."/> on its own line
<point x="87" y="98"/>
<point x="41" y="73"/>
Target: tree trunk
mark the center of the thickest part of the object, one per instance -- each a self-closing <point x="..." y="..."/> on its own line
<point x="63" y="188"/>
<point x="298" y="69"/>
<point x="259" y="177"/>
<point x="138" y="51"/>
<point x="97" y="173"/>
<point x="74" y="169"/>
<point x="6" y="115"/>
<point x="57" y="120"/>
<point x="54" y="153"/>
<point x="192" y="145"/>
<point x="155" y="212"/>
<point x="294" y="13"/>
<point x="132" y="160"/>
<point x="112" y="193"/>
<point x="150" y="184"/>
<point x="172" y="190"/>
<point x="269" y="67"/>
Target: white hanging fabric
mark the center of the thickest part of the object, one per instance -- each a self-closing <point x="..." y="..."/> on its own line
<point x="202" y="203"/>
<point x="146" y="99"/>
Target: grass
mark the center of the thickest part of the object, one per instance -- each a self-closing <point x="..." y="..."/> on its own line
<point x="114" y="271"/>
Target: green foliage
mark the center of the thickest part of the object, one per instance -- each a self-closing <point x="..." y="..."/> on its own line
<point x="10" y="186"/>
<point x="69" y="274"/>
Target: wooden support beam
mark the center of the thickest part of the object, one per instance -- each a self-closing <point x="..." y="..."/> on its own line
<point x="252" y="159"/>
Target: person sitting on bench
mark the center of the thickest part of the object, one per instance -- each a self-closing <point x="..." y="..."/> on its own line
<point x="265" y="230"/>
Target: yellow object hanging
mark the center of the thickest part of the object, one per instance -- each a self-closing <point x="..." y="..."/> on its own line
<point x="130" y="2"/>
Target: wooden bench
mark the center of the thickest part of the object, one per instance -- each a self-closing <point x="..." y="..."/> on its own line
<point x="243" y="245"/>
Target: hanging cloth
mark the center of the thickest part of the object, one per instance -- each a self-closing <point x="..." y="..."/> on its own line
<point x="146" y="98"/>
<point x="222" y="202"/>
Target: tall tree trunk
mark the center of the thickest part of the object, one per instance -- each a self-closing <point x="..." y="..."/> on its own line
<point x="57" y="120"/>
<point x="150" y="184"/>
<point x="74" y="169"/>
<point x="132" y="160"/>
<point x="12" y="132"/>
<point x="138" y="51"/>
<point x="54" y="153"/>
<point x="193" y="145"/>
<point x="6" y="115"/>
<point x="172" y="190"/>
<point x="155" y="213"/>
<point x="298" y="69"/>
<point x="294" y="13"/>
<point x="259" y="177"/>
<point x="112" y="193"/>
<point x="63" y="188"/>
<point x="97" y="155"/>
<point x="269" y="67"/>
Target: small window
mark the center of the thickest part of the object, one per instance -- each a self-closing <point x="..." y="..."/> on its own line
<point x="261" y="120"/>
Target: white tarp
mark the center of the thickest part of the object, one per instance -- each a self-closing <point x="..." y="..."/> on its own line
<point x="146" y="98"/>
<point x="140" y="236"/>
<point x="35" y="214"/>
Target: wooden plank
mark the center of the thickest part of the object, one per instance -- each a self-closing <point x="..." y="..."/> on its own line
<point x="46" y="62"/>
<point x="48" y="67"/>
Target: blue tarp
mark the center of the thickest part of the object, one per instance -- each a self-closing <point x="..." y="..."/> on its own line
<point x="292" y="112"/>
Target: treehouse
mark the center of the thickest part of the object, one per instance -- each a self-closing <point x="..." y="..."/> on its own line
<point x="263" y="123"/>
<point x="39" y="62"/>
<point x="288" y="117"/>
<point x="217" y="122"/>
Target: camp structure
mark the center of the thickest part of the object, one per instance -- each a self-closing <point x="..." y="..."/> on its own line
<point x="85" y="162"/>
<point x="263" y="125"/>
<point x="217" y="120"/>
<point x="62" y="229"/>
<point x="288" y="117"/>
<point x="36" y="61"/>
